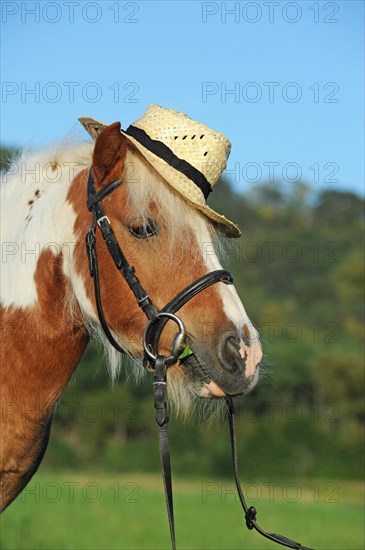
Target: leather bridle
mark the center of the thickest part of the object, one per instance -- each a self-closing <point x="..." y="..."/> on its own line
<point x="152" y="333"/>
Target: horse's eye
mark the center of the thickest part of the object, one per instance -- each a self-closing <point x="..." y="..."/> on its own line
<point x="143" y="230"/>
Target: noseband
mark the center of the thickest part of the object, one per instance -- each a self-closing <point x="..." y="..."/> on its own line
<point x="151" y="336"/>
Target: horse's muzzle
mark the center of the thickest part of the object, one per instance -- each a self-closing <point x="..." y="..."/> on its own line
<point x="228" y="368"/>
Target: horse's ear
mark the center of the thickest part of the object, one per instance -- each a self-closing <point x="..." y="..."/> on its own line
<point x="109" y="155"/>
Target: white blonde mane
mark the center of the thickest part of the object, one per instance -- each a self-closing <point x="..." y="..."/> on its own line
<point x="35" y="216"/>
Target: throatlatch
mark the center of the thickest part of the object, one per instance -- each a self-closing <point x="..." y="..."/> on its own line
<point x="156" y="362"/>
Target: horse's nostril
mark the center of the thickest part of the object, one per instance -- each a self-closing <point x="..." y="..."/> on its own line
<point x="231" y="360"/>
<point x="232" y="344"/>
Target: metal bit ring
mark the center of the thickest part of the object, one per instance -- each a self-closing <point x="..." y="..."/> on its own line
<point x="177" y="343"/>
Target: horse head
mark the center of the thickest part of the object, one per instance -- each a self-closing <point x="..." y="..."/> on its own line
<point x="170" y="239"/>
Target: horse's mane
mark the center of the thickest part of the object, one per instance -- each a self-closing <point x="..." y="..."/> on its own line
<point x="56" y="165"/>
<point x="34" y="166"/>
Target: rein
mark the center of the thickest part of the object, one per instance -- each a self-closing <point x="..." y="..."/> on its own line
<point x="153" y="360"/>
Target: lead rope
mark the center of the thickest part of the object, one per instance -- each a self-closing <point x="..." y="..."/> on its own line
<point x="160" y="401"/>
<point x="250" y="512"/>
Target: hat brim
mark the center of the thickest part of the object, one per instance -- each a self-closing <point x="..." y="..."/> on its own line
<point x="178" y="181"/>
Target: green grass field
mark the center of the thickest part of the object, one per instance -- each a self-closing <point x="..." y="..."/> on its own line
<point x="72" y="511"/>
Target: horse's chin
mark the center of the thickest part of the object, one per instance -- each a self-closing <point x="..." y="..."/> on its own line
<point x="212" y="389"/>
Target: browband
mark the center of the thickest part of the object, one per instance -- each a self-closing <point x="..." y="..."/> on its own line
<point x="163" y="152"/>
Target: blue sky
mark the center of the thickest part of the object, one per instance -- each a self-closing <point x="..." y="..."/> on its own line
<point x="283" y="80"/>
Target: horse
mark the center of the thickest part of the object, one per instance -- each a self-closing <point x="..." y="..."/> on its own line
<point x="49" y="311"/>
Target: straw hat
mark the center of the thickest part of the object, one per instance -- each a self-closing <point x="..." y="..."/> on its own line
<point x="189" y="155"/>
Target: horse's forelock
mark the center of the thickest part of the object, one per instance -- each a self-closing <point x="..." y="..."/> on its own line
<point x="146" y="188"/>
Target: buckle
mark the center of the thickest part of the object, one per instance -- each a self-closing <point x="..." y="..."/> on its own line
<point x="102" y="219"/>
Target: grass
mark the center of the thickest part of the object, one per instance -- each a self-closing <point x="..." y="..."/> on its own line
<point x="85" y="512"/>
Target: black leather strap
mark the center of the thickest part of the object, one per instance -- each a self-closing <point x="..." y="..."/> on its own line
<point x="94" y="197"/>
<point x="94" y="272"/>
<point x="127" y="271"/>
<point x="155" y="326"/>
<point x="250" y="512"/>
<point x="160" y="401"/>
<point x="159" y="387"/>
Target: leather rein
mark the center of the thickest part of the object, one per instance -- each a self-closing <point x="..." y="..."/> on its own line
<point x="153" y="360"/>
